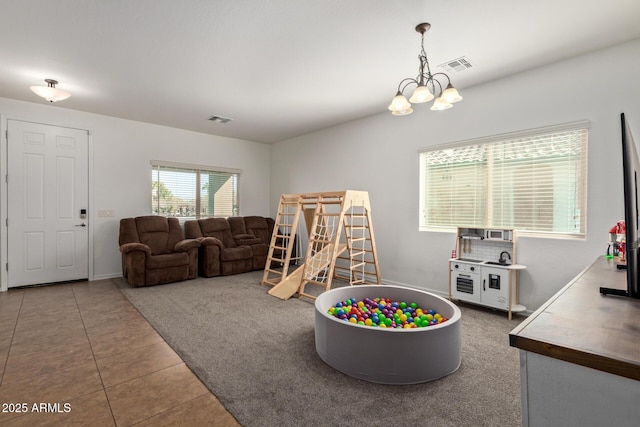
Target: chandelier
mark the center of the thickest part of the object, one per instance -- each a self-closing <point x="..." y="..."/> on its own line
<point x="427" y="85"/>
<point x="49" y="92"/>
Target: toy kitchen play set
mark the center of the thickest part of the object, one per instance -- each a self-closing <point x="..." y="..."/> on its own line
<point x="485" y="271"/>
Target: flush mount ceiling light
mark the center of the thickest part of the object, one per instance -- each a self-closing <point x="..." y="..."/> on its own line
<point x="49" y="92"/>
<point x="427" y="85"/>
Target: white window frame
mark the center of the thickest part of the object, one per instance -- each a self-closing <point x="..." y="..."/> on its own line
<point x="493" y="141"/>
<point x="197" y="169"/>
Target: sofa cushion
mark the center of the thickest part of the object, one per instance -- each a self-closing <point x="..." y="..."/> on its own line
<point x="161" y="234"/>
<point x="218" y="228"/>
<point x="247" y="239"/>
<point x="236" y="224"/>
<point x="259" y="227"/>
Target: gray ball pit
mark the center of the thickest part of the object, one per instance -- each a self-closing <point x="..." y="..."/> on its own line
<point x="388" y="356"/>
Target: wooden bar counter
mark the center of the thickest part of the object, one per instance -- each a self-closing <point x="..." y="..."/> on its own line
<point x="580" y="354"/>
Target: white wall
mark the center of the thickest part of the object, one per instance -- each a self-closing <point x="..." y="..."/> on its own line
<point x="121" y="173"/>
<point x="380" y="154"/>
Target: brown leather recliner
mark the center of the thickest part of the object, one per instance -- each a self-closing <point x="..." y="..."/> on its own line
<point x="154" y="251"/>
<point x="219" y="252"/>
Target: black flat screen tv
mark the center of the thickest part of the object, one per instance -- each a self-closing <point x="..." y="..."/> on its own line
<point x="630" y="170"/>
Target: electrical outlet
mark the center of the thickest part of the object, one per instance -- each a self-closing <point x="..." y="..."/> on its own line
<point x="106" y="213"/>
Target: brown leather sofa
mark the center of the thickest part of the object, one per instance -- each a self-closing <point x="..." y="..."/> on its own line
<point x="231" y="246"/>
<point x="154" y="251"/>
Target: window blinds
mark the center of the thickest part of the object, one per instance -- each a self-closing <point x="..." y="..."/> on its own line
<point x="192" y="191"/>
<point x="533" y="181"/>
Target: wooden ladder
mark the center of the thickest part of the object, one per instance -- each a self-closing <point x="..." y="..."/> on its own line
<point x="361" y="257"/>
<point x="282" y="239"/>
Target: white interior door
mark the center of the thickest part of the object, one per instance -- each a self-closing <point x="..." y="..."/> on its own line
<point x="47" y="191"/>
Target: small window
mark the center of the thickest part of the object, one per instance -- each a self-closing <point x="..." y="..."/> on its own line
<point x="193" y="191"/>
<point x="533" y="181"/>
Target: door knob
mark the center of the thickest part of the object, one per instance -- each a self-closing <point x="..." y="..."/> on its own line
<point x="81" y="225"/>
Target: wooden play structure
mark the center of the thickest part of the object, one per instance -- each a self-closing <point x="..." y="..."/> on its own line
<point x="330" y="253"/>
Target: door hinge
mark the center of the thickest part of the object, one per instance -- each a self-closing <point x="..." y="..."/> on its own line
<point x="6" y="222"/>
<point x="6" y="266"/>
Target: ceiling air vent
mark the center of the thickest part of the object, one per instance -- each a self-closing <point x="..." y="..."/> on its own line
<point x="220" y="119"/>
<point x="457" y="65"/>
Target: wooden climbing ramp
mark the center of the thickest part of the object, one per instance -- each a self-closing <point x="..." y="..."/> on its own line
<point x="341" y="243"/>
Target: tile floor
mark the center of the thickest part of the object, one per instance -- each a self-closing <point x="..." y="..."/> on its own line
<point x="84" y="347"/>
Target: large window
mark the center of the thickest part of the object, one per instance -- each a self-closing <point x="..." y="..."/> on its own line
<point x="193" y="191"/>
<point x="533" y="181"/>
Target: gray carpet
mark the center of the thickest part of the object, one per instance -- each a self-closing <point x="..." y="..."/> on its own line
<point x="256" y="353"/>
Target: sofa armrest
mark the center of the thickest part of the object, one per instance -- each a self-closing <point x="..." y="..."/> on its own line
<point x="185" y="245"/>
<point x="132" y="247"/>
<point x="246" y="239"/>
<point x="211" y="241"/>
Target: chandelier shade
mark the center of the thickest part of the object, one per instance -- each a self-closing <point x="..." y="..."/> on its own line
<point x="427" y="85"/>
<point x="421" y="94"/>
<point x="441" y="104"/>
<point x="451" y="94"/>
<point x="49" y="92"/>
<point x="399" y="103"/>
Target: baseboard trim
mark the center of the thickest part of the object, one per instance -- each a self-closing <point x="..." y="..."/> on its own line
<point x="106" y="276"/>
<point x="404" y="285"/>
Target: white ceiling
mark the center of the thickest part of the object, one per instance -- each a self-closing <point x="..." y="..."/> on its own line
<point x="280" y="68"/>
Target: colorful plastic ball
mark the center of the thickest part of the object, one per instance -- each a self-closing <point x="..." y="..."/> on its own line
<point x="385" y="313"/>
